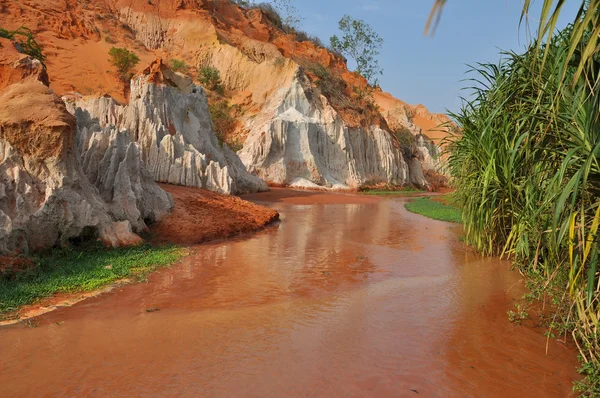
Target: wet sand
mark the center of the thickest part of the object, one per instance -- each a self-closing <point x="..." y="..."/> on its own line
<point x="200" y="216"/>
<point x="349" y="297"/>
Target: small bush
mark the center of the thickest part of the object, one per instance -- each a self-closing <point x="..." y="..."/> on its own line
<point x="301" y="35"/>
<point x="355" y="107"/>
<point x="124" y="60"/>
<point x="24" y="41"/>
<point x="109" y="39"/>
<point x="333" y="87"/>
<point x="210" y="78"/>
<point x="178" y="65"/>
<point x="316" y="41"/>
<point x="406" y="139"/>
<point x="222" y="120"/>
<point x="404" y="136"/>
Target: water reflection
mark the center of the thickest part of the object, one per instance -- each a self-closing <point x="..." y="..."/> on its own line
<point x="355" y="299"/>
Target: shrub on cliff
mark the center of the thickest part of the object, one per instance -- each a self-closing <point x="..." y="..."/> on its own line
<point x="405" y="138"/>
<point x="342" y="97"/>
<point x="222" y="120"/>
<point x="271" y="14"/>
<point x="124" y="60"/>
<point x="331" y="85"/>
<point x="24" y="41"/>
<point x="178" y="65"/>
<point x="210" y="78"/>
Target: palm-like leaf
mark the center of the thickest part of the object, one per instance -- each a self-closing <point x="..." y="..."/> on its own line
<point x="526" y="166"/>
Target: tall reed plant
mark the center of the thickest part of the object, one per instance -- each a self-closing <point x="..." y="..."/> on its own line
<point x="527" y="173"/>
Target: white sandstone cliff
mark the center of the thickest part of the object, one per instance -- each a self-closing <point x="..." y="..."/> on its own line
<point x="300" y="140"/>
<point x="45" y="198"/>
<point x="112" y="162"/>
<point x="169" y="119"/>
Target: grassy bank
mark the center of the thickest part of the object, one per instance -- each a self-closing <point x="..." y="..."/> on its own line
<point x="440" y="209"/>
<point x="79" y="270"/>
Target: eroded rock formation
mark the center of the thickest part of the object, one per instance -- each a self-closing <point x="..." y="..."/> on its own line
<point x="168" y="117"/>
<point x="258" y="64"/>
<point x="305" y="143"/>
<point x="46" y="198"/>
<point x="112" y="162"/>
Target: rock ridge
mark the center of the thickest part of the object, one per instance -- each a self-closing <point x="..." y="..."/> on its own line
<point x="168" y="117"/>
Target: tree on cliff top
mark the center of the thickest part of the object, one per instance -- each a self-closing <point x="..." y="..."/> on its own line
<point x="124" y="60"/>
<point x="361" y="43"/>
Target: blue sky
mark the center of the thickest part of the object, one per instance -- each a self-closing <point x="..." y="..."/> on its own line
<point x="428" y="70"/>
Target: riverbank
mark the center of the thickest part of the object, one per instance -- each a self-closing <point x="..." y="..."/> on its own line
<point x="201" y="216"/>
<point x="402" y="191"/>
<point x="66" y="276"/>
<point x="31" y="286"/>
<point x="439" y="208"/>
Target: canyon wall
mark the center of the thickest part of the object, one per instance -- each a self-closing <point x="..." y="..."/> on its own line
<point x="168" y="117"/>
<point x="261" y="69"/>
<point x="303" y="142"/>
<point x="46" y="197"/>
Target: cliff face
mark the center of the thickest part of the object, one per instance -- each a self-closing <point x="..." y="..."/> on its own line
<point x="417" y="119"/>
<point x="113" y="164"/>
<point x="168" y="117"/>
<point x="305" y="143"/>
<point x="46" y="197"/>
<point x="294" y="132"/>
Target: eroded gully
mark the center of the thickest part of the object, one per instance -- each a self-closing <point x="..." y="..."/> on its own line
<point x="347" y="297"/>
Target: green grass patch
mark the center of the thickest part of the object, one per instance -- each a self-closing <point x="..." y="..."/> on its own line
<point x="400" y="191"/>
<point x="435" y="209"/>
<point x="78" y="270"/>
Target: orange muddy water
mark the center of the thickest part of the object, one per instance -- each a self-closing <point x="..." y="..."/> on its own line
<point x="347" y="296"/>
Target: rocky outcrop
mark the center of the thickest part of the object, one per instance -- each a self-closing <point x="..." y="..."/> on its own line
<point x="428" y="153"/>
<point x="112" y="162"/>
<point x="45" y="198"/>
<point x="428" y="129"/>
<point x="169" y="119"/>
<point x="14" y="66"/>
<point x="58" y="183"/>
<point x="304" y="142"/>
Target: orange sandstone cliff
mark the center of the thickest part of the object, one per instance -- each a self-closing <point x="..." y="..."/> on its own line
<point x="274" y="89"/>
